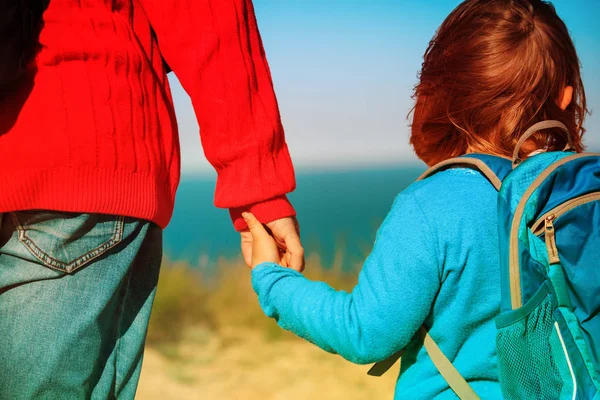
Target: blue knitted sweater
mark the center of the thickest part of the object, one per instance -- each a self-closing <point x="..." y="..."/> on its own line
<point x="434" y="262"/>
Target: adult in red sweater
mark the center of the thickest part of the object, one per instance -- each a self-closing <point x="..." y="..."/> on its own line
<point x="89" y="167"/>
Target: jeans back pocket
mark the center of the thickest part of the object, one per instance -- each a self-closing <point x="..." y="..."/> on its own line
<point x="67" y="241"/>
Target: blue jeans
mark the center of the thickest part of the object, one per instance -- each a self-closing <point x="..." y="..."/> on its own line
<point x="76" y="291"/>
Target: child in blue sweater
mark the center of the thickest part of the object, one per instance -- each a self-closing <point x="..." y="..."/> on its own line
<point x="494" y="68"/>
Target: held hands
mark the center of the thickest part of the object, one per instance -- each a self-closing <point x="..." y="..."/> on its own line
<point x="279" y="243"/>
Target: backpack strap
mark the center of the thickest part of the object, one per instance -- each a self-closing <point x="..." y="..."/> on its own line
<point x="494" y="168"/>
<point x="450" y="374"/>
<point x="536" y="128"/>
<point x="381" y="367"/>
<point x="457" y="383"/>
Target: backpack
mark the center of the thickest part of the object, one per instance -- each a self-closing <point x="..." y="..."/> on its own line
<point x="548" y="329"/>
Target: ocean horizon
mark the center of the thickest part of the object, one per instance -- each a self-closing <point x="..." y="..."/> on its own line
<point x="339" y="211"/>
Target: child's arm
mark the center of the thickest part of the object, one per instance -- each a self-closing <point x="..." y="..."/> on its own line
<point x="395" y="290"/>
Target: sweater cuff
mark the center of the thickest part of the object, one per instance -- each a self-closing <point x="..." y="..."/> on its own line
<point x="265" y="211"/>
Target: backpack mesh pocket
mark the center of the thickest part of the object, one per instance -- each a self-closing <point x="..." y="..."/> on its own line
<point x="526" y="361"/>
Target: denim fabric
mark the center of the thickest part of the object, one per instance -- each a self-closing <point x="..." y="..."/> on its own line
<point x="76" y="292"/>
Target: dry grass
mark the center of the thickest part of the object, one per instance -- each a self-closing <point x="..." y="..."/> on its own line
<point x="187" y="299"/>
<point x="208" y="339"/>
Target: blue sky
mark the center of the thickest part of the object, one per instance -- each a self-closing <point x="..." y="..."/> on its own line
<point x="344" y="72"/>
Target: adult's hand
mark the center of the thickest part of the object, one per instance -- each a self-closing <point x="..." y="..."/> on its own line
<point x="286" y="233"/>
<point x="264" y="248"/>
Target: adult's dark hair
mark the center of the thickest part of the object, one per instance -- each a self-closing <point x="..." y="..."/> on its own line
<point x="20" y="25"/>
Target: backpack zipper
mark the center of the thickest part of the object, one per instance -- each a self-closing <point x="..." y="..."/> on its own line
<point x="540" y="225"/>
<point x="551" y="239"/>
<point x="514" y="269"/>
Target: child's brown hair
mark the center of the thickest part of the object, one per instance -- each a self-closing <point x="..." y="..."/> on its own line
<point x="494" y="68"/>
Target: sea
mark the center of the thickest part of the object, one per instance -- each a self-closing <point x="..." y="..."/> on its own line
<point x="339" y="213"/>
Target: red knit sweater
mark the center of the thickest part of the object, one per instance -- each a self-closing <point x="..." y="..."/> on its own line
<point x="94" y="129"/>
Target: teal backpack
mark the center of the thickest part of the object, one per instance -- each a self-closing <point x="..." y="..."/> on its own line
<point x="548" y="329"/>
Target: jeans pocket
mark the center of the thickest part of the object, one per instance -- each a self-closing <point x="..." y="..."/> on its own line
<point x="67" y="241"/>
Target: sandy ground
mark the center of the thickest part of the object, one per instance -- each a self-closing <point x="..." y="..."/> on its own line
<point x="252" y="367"/>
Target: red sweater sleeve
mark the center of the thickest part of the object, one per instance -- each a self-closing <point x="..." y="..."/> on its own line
<point x="214" y="48"/>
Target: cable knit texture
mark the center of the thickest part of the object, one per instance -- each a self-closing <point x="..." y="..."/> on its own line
<point x="435" y="263"/>
<point x="92" y="128"/>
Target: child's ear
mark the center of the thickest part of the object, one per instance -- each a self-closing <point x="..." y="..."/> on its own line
<point x="566" y="98"/>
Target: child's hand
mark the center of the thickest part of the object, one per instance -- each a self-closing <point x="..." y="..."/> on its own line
<point x="264" y="248"/>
